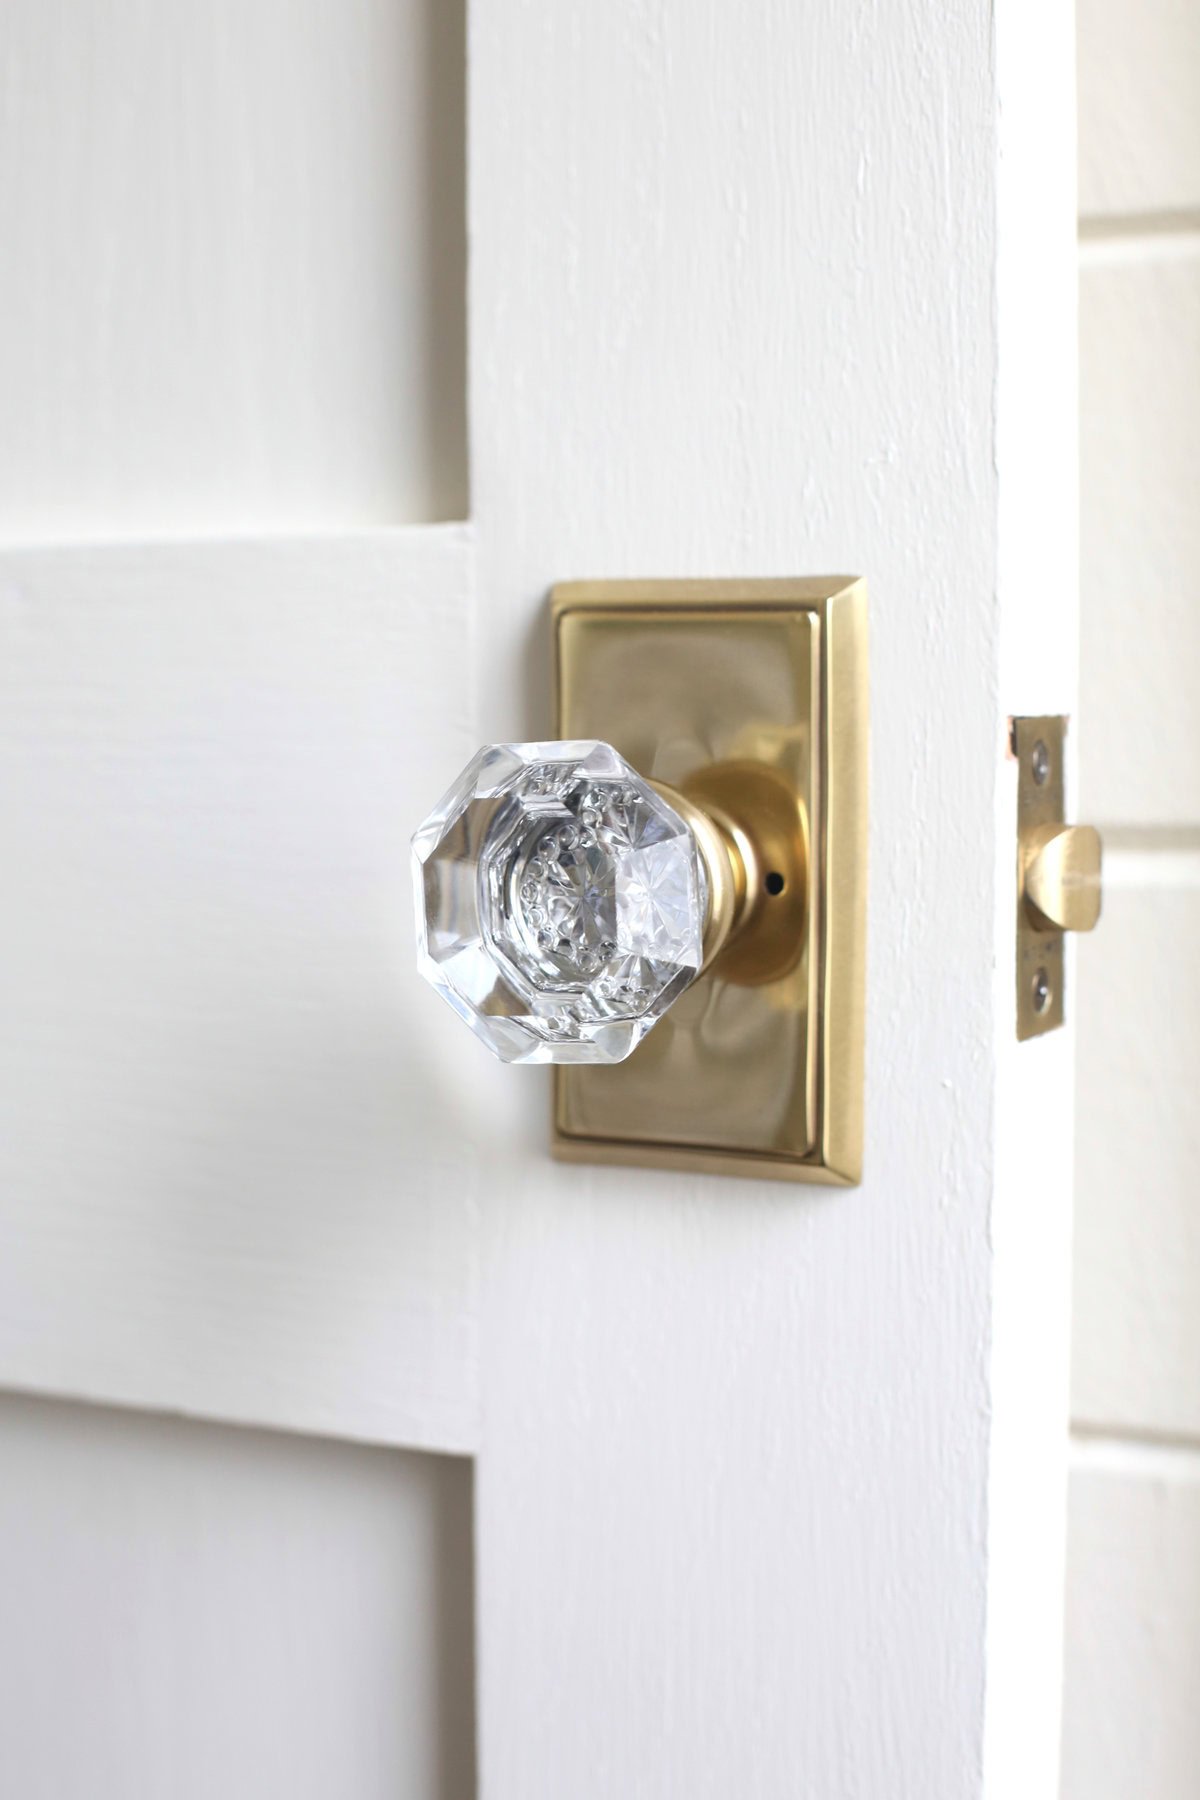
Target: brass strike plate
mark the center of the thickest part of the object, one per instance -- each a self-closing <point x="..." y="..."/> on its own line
<point x="1039" y="745"/>
<point x="754" y="690"/>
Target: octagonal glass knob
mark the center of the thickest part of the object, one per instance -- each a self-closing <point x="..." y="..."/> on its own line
<point x="561" y="901"/>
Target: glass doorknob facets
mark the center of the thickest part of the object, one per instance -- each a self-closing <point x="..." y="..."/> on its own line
<point x="561" y="902"/>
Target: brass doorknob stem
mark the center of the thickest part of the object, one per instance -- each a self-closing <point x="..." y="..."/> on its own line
<point x="751" y="831"/>
<point x="731" y="868"/>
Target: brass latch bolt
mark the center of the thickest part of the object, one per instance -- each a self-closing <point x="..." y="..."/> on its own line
<point x="1062" y="878"/>
<point x="1058" y="873"/>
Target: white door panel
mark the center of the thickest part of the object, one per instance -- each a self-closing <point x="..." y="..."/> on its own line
<point x="1130" y="1723"/>
<point x="196" y="1611"/>
<point x="232" y="284"/>
<point x="233" y="1176"/>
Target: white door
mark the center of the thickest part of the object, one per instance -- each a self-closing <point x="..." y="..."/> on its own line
<point x="764" y="1488"/>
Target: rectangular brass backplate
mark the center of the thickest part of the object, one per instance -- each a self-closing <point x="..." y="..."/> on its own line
<point x="1039" y="745"/>
<point x="752" y="1071"/>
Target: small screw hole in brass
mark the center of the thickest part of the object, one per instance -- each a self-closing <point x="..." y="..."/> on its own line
<point x="1041" y="991"/>
<point x="1039" y="762"/>
<point x="774" y="882"/>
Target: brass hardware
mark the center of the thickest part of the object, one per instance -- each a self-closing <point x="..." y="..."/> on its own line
<point x="747" y="702"/>
<point x="729" y="868"/>
<point x="1058" y="873"/>
<point x="759" y="809"/>
<point x="1062" y="879"/>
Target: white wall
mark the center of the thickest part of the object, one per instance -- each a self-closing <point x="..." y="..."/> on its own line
<point x="1132" y="1723"/>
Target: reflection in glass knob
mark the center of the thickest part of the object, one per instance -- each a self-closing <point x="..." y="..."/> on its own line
<point x="563" y="902"/>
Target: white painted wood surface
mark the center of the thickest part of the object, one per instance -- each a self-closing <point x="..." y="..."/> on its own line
<point x="748" y="293"/>
<point x="232" y="281"/>
<point x="200" y="1611"/>
<point x="1131" y="1725"/>
<point x="1137" y="1252"/>
<point x="233" y="1175"/>
<point x="1139" y="139"/>
<point x="1140" y="453"/>
<point x="1030" y="1218"/>
<point x="733" y="301"/>
<point x="1133" y="1600"/>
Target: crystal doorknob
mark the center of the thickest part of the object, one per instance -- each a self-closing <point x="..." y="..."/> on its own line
<point x="563" y="902"/>
<point x="567" y="900"/>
